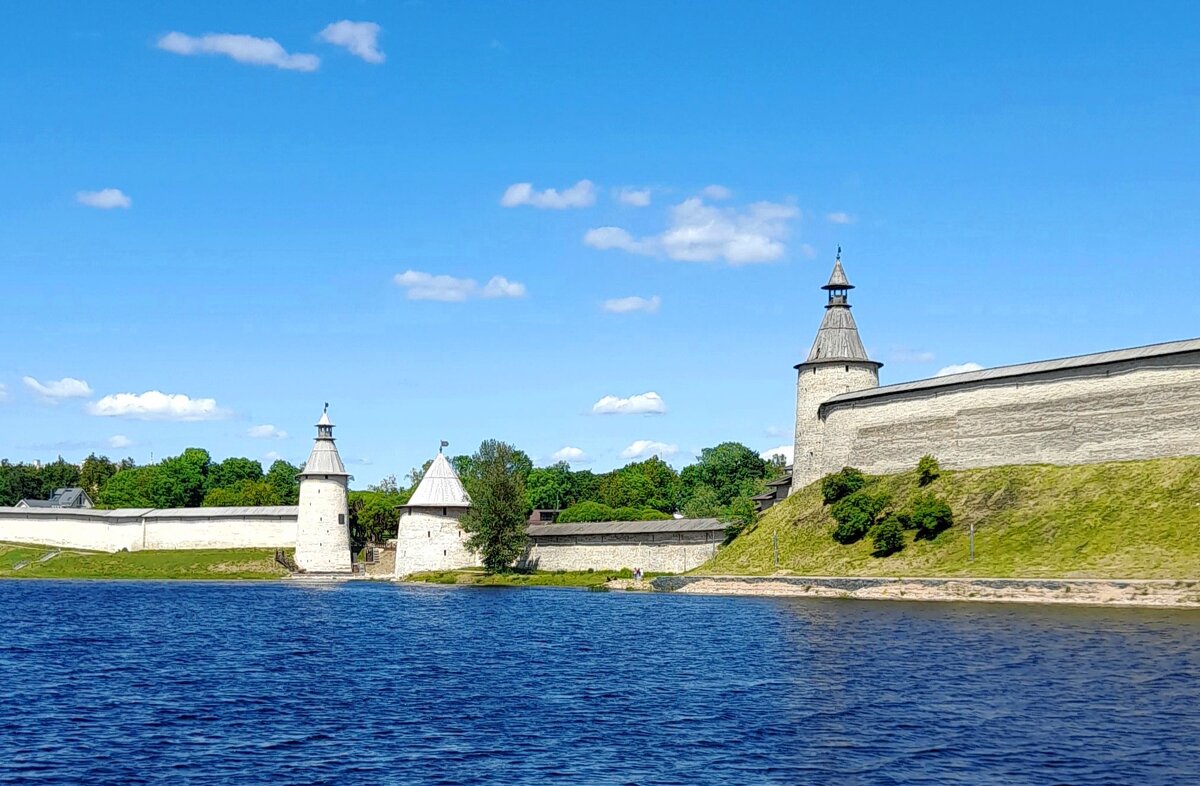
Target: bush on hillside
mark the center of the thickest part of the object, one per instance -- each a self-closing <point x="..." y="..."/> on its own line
<point x="928" y="470"/>
<point x="888" y="536"/>
<point x="930" y="515"/>
<point x="740" y="516"/>
<point x="839" y="485"/>
<point x="857" y="514"/>
<point x="586" y="511"/>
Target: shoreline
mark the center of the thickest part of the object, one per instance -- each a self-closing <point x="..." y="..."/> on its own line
<point x="1144" y="593"/>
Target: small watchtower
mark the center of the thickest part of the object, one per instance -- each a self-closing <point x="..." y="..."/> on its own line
<point x="837" y="363"/>
<point x="323" y="520"/>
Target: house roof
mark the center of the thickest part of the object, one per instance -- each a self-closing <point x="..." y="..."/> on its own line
<point x="1024" y="369"/>
<point x="440" y="487"/>
<point x="624" y="527"/>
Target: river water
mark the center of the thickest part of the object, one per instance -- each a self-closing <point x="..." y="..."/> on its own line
<point x="197" y="683"/>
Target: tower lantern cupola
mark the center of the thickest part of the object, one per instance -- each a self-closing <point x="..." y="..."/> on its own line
<point x="839" y="286"/>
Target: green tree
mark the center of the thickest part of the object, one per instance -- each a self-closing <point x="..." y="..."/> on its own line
<point x="888" y="536"/>
<point x="740" y="515"/>
<point x="18" y="482"/>
<point x="495" y="522"/>
<point x="94" y="473"/>
<point x="587" y="511"/>
<point x="181" y="480"/>
<point x="928" y="470"/>
<point x="702" y="504"/>
<point x="550" y="487"/>
<point x="857" y="514"/>
<point x="231" y="472"/>
<point x="130" y="488"/>
<point x="282" y="476"/>
<point x="730" y="469"/>
<point x="930" y="515"/>
<point x="57" y="474"/>
<point x="375" y="514"/>
<point x="243" y="493"/>
<point x="839" y="485"/>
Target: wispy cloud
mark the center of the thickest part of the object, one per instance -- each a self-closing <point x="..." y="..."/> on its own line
<point x="700" y="232"/>
<point x="958" y="368"/>
<point x="839" y="218"/>
<point x="448" y="289"/>
<point x="154" y="405"/>
<point x="773" y="431"/>
<point x="67" y="387"/>
<point x="716" y="193"/>
<point x="361" y="38"/>
<point x="634" y="303"/>
<point x="266" y="431"/>
<point x="645" y="448"/>
<point x="649" y="403"/>
<point x="906" y="355"/>
<point x="636" y="197"/>
<point x="787" y="451"/>
<point x="570" y="455"/>
<point x="242" y="48"/>
<point x="582" y="194"/>
<point x="104" y="199"/>
<point x="119" y="441"/>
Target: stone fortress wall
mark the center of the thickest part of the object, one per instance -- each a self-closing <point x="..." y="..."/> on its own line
<point x="615" y="552"/>
<point x="142" y="529"/>
<point x="431" y="539"/>
<point x="1137" y="408"/>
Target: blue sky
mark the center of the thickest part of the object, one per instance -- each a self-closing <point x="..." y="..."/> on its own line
<point x="1009" y="183"/>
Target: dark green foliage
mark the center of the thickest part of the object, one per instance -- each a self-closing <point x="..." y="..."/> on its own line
<point x="928" y="470"/>
<point x="241" y="494"/>
<point x="930" y="515"/>
<point x="597" y="511"/>
<point x="888" y="536"/>
<point x="856" y="514"/>
<point x="643" y="484"/>
<point x="702" y="504"/>
<point x="95" y="473"/>
<point x="374" y="514"/>
<point x="550" y="487"/>
<point x="730" y="469"/>
<point x="495" y="522"/>
<point x="839" y="485"/>
<point x="282" y="476"/>
<point x="18" y="482"/>
<point x="57" y="475"/>
<point x="232" y="472"/>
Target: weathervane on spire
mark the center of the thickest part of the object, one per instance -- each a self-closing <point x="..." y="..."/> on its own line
<point x="444" y="444"/>
<point x="326" y="407"/>
<point x="839" y="254"/>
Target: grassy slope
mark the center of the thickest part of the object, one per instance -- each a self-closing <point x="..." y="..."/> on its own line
<point x="1135" y="519"/>
<point x="198" y="564"/>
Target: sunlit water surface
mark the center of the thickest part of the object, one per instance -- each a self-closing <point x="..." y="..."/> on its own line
<point x="127" y="683"/>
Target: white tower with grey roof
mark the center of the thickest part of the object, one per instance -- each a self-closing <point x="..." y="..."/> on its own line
<point x="429" y="536"/>
<point x="837" y="363"/>
<point x="323" y="521"/>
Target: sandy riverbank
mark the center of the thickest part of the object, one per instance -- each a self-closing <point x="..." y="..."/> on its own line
<point x="1100" y="592"/>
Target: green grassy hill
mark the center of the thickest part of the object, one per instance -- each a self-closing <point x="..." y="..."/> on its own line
<point x="1132" y="519"/>
<point x="26" y="562"/>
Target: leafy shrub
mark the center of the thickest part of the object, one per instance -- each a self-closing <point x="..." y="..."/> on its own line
<point x="586" y="511"/>
<point x="741" y="514"/>
<point x="928" y="470"/>
<point x="630" y="513"/>
<point x="888" y="536"/>
<point x="856" y="514"/>
<point x="930" y="515"/>
<point x="839" y="485"/>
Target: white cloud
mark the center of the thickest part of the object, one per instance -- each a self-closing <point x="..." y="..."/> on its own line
<point x="242" y="48"/>
<point x="570" y="455"/>
<point x="958" y="368"/>
<point x="361" y="38"/>
<point x="637" y="197"/>
<point x="119" y="441"/>
<point x="67" y="387"/>
<point x="153" y="405"/>
<point x="266" y="431"/>
<point x="271" y="456"/>
<point x="645" y="448"/>
<point x="839" y="218"/>
<point x="715" y="192"/>
<point x="700" y="232"/>
<point x="3" y="391"/>
<point x="626" y="305"/>
<point x="448" y="289"/>
<point x="786" y="451"/>
<point x="773" y="431"/>
<point x="642" y="404"/>
<point x="582" y="194"/>
<point x="105" y="198"/>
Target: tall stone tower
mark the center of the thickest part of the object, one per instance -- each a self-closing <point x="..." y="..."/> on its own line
<point x="429" y="536"/>
<point x="322" y="524"/>
<point x="837" y="363"/>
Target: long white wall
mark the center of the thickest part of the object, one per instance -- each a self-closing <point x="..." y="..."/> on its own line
<point x="147" y="529"/>
<point x="663" y="553"/>
<point x="1133" y="410"/>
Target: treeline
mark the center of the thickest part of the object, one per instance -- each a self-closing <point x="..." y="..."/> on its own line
<point x="191" y="479"/>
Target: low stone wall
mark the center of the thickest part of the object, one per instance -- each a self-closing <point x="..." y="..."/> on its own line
<point x="148" y="528"/>
<point x="613" y="552"/>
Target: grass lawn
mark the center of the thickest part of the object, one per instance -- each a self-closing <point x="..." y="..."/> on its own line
<point x="547" y="578"/>
<point x="1134" y="519"/>
<point x="198" y="564"/>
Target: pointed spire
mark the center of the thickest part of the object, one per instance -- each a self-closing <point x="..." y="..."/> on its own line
<point x="837" y="338"/>
<point x="837" y="279"/>
<point x="324" y="458"/>
<point x="440" y="487"/>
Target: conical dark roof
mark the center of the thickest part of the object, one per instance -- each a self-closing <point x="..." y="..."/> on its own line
<point x="837" y="279"/>
<point x="837" y="338"/>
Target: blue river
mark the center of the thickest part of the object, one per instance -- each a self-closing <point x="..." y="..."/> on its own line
<point x="203" y="683"/>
